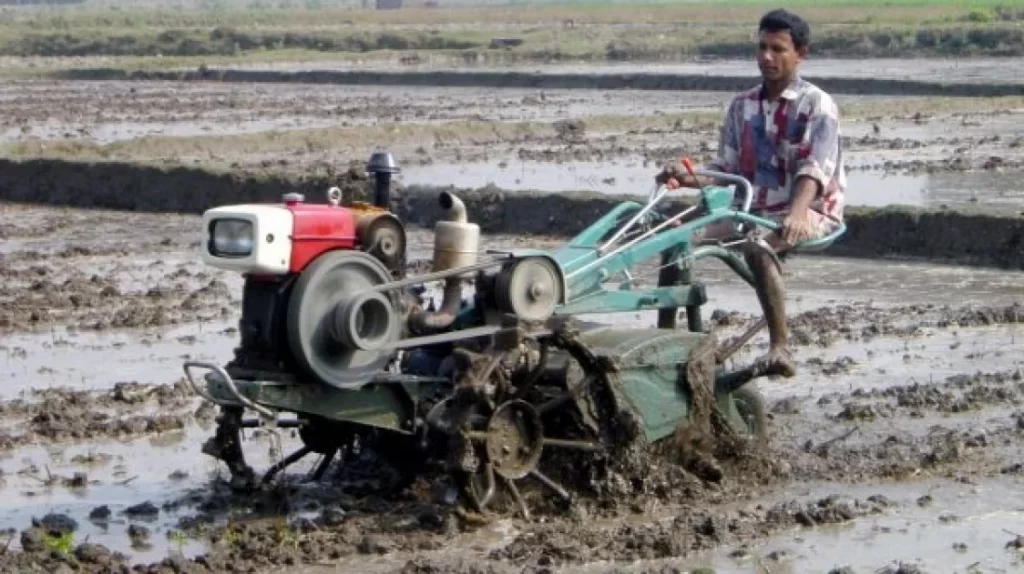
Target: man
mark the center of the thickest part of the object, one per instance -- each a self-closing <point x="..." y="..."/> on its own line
<point x="783" y="136"/>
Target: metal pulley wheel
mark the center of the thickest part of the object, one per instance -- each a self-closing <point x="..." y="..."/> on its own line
<point x="385" y="240"/>
<point x="530" y="288"/>
<point x="338" y="330"/>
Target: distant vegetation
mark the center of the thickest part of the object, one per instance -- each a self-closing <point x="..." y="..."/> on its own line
<point x="222" y="41"/>
<point x="33" y="2"/>
<point x="259" y="29"/>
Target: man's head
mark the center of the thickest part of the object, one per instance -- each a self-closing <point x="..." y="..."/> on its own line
<point x="783" y="38"/>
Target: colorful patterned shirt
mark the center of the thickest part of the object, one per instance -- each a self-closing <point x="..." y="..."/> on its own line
<point x="771" y="143"/>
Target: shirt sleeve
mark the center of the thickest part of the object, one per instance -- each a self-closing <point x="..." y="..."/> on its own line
<point x="729" y="139"/>
<point x="818" y="151"/>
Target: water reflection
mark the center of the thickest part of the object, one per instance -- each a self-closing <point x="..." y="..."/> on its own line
<point x="633" y="177"/>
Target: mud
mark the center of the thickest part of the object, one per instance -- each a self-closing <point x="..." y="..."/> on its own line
<point x="938" y="235"/>
<point x="549" y="81"/>
<point x="894" y="448"/>
<point x="978" y="69"/>
<point x="920" y="183"/>
<point x="110" y="112"/>
<point x="64" y="269"/>
<point x="895" y="402"/>
<point x="62" y="415"/>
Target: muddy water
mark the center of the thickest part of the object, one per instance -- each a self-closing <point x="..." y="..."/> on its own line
<point x="164" y="470"/>
<point x="634" y="176"/>
<point x="69" y="359"/>
<point x="168" y="470"/>
<point x="145" y="469"/>
<point x="976" y="516"/>
<point x="972" y="70"/>
<point x="972" y="532"/>
<point x="108" y="112"/>
<point x="119" y="475"/>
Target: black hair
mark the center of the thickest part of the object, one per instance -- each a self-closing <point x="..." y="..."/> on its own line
<point x="785" y="21"/>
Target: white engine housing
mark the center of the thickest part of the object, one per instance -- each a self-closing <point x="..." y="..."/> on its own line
<point x="270" y="235"/>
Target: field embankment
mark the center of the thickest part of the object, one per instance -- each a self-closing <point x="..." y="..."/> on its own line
<point x="551" y="81"/>
<point x="940" y="235"/>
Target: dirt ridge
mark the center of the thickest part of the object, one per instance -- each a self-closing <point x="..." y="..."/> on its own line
<point x="545" y="80"/>
<point x="945" y="235"/>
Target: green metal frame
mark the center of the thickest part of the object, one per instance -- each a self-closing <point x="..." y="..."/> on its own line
<point x="388" y="403"/>
<point x="586" y="263"/>
<point x="586" y="267"/>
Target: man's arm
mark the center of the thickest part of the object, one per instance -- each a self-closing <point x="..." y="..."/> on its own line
<point x="818" y="152"/>
<point x="818" y="155"/>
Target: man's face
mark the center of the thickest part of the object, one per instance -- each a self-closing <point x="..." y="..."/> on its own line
<point x="777" y="57"/>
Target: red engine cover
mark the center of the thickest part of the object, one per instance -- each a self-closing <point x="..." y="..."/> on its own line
<point x="319" y="228"/>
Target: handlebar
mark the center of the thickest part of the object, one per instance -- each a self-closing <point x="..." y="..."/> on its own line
<point x="808" y="245"/>
<point x="748" y="188"/>
<point x="748" y="198"/>
<point x="739" y="180"/>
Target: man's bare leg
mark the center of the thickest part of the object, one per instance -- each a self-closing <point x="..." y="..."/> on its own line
<point x="771" y="293"/>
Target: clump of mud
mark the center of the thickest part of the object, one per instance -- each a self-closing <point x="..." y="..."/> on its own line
<point x="825" y="326"/>
<point x="35" y="295"/>
<point x="126" y="410"/>
<point x="696" y="529"/>
<point x="707" y="452"/>
<point x="956" y="394"/>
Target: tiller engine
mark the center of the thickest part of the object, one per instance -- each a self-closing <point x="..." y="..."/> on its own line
<point x="489" y="383"/>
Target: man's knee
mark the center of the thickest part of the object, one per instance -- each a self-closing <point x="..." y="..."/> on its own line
<point x="755" y="254"/>
<point x="763" y="259"/>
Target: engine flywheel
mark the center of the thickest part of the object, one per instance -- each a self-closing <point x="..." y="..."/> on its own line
<point x="337" y="330"/>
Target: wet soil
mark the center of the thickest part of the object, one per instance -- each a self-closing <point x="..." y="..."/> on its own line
<point x="899" y="435"/>
<point x="978" y="69"/>
<point x="899" y="410"/>
<point x="141" y="153"/>
<point x="216" y="126"/>
<point x="70" y="268"/>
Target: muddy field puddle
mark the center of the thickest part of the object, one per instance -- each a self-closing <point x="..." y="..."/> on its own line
<point x="937" y="525"/>
<point x="59" y="110"/>
<point x="885" y="362"/>
<point x="634" y="176"/>
<point x="126" y="495"/>
<point x="89" y="360"/>
<point x="123" y="130"/>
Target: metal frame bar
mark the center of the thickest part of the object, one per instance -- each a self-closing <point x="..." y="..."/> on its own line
<point x="228" y="382"/>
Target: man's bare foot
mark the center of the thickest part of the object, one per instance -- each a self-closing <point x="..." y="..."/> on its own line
<point x="778" y="362"/>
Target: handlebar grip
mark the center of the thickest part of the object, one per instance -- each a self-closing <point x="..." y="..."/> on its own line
<point x="688" y="164"/>
<point x="809" y="245"/>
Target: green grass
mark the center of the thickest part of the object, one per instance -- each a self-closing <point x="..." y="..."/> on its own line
<point x="261" y="30"/>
